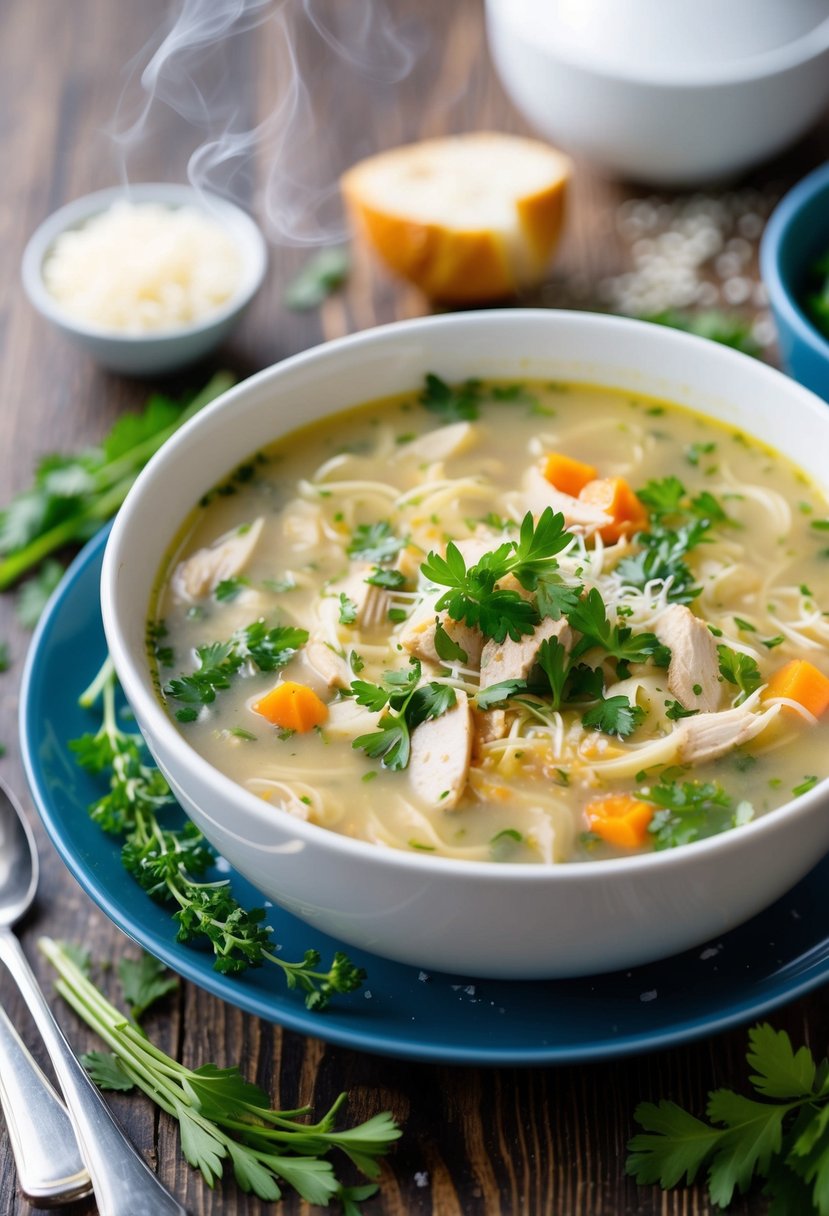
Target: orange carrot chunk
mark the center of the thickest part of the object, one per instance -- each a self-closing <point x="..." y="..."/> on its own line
<point x="566" y="474"/>
<point x="800" y="681"/>
<point x="292" y="706"/>
<point x="620" y="819"/>
<point x="614" y="496"/>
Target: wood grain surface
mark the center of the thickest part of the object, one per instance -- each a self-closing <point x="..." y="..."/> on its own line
<point x="541" y="1142"/>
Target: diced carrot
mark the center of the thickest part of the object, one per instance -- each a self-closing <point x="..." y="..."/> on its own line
<point x="799" y="680"/>
<point x="620" y="820"/>
<point x="292" y="706"/>
<point x="566" y="474"/>
<point x="614" y="496"/>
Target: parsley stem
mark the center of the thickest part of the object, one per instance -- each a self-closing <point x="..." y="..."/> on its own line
<point x="99" y="685"/>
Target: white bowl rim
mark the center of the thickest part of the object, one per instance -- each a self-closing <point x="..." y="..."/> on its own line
<point x="242" y="227"/>
<point x="192" y="764"/>
<point x="761" y="66"/>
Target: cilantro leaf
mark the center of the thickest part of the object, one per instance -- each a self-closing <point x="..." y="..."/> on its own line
<point x="674" y="1145"/>
<point x="779" y="1071"/>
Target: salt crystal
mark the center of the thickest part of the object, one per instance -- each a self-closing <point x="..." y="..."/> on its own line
<point x="421" y="1178"/>
<point x="648" y="996"/>
<point x="367" y="994"/>
<point x="711" y="952"/>
<point x="423" y="977"/>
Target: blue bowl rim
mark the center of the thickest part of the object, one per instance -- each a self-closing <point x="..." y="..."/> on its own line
<point x="784" y="216"/>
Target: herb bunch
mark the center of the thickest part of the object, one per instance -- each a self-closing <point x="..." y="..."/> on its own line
<point x="782" y="1139"/>
<point x="73" y="494"/>
<point x="172" y="864"/>
<point x="223" y="1118"/>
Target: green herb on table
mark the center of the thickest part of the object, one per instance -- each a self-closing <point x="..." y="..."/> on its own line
<point x="319" y="278"/>
<point x="73" y="494"/>
<point x="223" y="1118"/>
<point x="405" y="706"/>
<point x="781" y="1140"/>
<point x="34" y="593"/>
<point x="5" y="660"/>
<point x="266" y="648"/>
<point x="727" y="328"/>
<point x="172" y="864"/>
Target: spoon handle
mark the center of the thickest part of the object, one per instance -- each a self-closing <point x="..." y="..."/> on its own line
<point x="124" y="1184"/>
<point x="50" y="1169"/>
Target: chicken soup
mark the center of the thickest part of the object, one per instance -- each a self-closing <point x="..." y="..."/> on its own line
<point x="515" y="622"/>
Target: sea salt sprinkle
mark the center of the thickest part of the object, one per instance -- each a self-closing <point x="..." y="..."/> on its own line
<point x="698" y="252"/>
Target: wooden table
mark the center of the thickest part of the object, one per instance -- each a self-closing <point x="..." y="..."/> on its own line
<point x="476" y="1141"/>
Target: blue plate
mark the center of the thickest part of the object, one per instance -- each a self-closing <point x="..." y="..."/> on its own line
<point x="401" y="1012"/>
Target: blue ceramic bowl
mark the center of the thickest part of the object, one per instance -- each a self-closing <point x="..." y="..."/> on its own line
<point x="796" y="235"/>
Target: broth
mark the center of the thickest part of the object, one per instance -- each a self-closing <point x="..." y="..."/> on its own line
<point x="690" y="595"/>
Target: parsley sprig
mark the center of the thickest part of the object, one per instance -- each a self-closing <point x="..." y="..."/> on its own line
<point x="782" y="1138"/>
<point x="172" y="864"/>
<point x="678" y="523"/>
<point x="691" y="810"/>
<point x="589" y="617"/>
<point x="499" y="612"/>
<point x="739" y="669"/>
<point x="265" y="648"/>
<point x="406" y="705"/>
<point x="224" y="1119"/>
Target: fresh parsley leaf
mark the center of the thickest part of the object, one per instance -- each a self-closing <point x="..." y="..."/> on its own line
<point x="266" y="648"/>
<point x="497" y="694"/>
<point x="321" y="275"/>
<point x="447" y="648"/>
<point x="227" y="590"/>
<point x="554" y="661"/>
<point x="739" y="669"/>
<point x="107" y="1071"/>
<point x="554" y="598"/>
<point x="728" y="328"/>
<point x="35" y="592"/>
<point x="690" y="811"/>
<point x="589" y="617"/>
<point x="614" y="716"/>
<point x="375" y="543"/>
<point x="458" y="403"/>
<point x="406" y="705"/>
<point x="675" y="710"/>
<point x="348" y="610"/>
<point x="144" y="980"/>
<point x="390" y="580"/>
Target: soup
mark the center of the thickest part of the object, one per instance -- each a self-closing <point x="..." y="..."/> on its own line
<point x="524" y="622"/>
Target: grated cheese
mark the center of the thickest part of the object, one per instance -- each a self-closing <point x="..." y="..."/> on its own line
<point x="143" y="267"/>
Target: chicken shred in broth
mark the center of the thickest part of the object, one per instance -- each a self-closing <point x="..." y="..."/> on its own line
<point x="514" y="622"/>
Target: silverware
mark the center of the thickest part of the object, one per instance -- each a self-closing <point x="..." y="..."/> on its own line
<point x="50" y="1169"/>
<point x="124" y="1184"/>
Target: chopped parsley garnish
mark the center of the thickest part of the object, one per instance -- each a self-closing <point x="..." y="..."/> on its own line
<point x="375" y="543"/>
<point x="348" y="610"/>
<point x="452" y="403"/>
<point x="808" y="783"/>
<point x="390" y="580"/>
<point x="739" y="669"/>
<point x="228" y="589"/>
<point x="406" y="705"/>
<point x="447" y="648"/>
<point x="691" y="810"/>
<point x="267" y="649"/>
<point x="615" y="716"/>
<point x="473" y="596"/>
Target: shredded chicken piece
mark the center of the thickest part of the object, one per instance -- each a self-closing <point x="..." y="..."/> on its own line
<point x="330" y="667"/>
<point x="441" y="754"/>
<point x="372" y="602"/>
<point x="578" y="516"/>
<point x="440" y="444"/>
<point x="488" y="725"/>
<point x="509" y="660"/>
<point x="418" y="634"/>
<point x="710" y="735"/>
<point x="200" y="573"/>
<point x="693" y="672"/>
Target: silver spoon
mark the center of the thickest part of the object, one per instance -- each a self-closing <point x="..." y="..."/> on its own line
<point x="50" y="1169"/>
<point x="124" y="1184"/>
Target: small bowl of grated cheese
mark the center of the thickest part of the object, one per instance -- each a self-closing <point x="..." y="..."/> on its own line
<point x="147" y="278"/>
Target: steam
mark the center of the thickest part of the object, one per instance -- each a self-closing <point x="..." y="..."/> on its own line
<point x="202" y="70"/>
